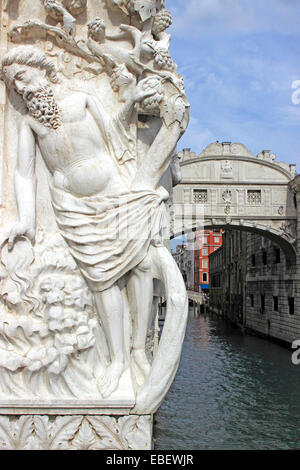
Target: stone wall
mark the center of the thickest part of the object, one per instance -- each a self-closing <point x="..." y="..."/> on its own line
<point x="272" y="296"/>
<point x="228" y="274"/>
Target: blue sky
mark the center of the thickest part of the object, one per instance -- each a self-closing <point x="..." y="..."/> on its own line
<point x="239" y="60"/>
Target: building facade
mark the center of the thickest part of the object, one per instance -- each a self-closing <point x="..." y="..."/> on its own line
<point x="206" y="242"/>
<point x="189" y="263"/>
<point x="253" y="286"/>
<point x="271" y="291"/>
<point x="180" y="259"/>
<point x="192" y="258"/>
<point x="228" y="275"/>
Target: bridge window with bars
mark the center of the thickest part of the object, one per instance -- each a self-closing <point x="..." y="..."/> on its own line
<point x="200" y="196"/>
<point x="254" y="196"/>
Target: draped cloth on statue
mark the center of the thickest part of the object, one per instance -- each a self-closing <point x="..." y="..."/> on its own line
<point x="108" y="235"/>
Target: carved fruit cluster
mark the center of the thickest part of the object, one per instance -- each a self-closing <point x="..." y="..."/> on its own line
<point x="163" y="60"/>
<point x="162" y="21"/>
<point x="151" y="103"/>
<point x="96" y="29"/>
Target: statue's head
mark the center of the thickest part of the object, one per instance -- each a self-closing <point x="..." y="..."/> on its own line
<point x="28" y="72"/>
<point x="26" y="69"/>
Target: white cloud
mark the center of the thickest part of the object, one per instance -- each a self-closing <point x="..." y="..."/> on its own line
<point x="239" y="60"/>
<point x="235" y="16"/>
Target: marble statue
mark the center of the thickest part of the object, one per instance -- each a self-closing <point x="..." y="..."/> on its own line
<point x="104" y="114"/>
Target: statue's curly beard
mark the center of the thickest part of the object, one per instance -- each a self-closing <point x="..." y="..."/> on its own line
<point x="42" y="106"/>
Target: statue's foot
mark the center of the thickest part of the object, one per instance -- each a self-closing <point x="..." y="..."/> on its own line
<point x="109" y="381"/>
<point x="142" y="365"/>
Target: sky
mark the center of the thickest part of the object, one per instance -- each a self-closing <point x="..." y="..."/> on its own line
<point x="240" y="60"/>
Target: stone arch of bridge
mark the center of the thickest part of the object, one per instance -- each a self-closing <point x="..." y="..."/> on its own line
<point x="227" y="187"/>
<point x="288" y="247"/>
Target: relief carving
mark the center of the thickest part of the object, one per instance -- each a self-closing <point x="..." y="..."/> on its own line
<point x="75" y="433"/>
<point x="226" y="170"/>
<point x="105" y="113"/>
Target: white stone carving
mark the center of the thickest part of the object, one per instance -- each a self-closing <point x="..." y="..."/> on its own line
<point x="226" y="170"/>
<point x="289" y="230"/>
<point x="256" y="185"/>
<point x="227" y="196"/>
<point x="75" y="433"/>
<point x="101" y="103"/>
<point x="267" y="156"/>
<point x="226" y="148"/>
<point x="56" y="322"/>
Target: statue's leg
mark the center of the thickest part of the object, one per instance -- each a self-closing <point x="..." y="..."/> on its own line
<point x="110" y="309"/>
<point x="140" y="297"/>
<point x="166" y="360"/>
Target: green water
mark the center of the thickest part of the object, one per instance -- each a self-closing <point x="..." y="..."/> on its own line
<point x="232" y="391"/>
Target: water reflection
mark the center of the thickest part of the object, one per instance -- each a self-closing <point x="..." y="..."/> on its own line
<point x="231" y="392"/>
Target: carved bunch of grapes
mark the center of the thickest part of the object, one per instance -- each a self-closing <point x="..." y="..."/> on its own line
<point x="151" y="103"/>
<point x="163" y="60"/>
<point x="96" y="29"/>
<point x="162" y="21"/>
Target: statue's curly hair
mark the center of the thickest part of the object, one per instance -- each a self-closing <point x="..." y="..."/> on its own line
<point x="28" y="55"/>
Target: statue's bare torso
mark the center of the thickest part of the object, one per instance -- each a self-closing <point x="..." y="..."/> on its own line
<point x="75" y="153"/>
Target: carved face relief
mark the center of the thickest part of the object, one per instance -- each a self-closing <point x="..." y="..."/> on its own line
<point x="24" y="78"/>
<point x="32" y="84"/>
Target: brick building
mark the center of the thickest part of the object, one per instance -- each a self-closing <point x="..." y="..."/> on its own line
<point x="206" y="242"/>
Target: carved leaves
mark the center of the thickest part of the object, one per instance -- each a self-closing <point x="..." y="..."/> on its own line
<point x="75" y="433"/>
<point x="145" y="8"/>
<point x="56" y="435"/>
<point x="86" y="438"/>
<point x="16" y="434"/>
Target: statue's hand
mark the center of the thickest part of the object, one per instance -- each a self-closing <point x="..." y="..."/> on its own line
<point x="22" y="228"/>
<point x="140" y="94"/>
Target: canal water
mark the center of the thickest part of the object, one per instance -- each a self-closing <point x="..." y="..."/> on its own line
<point x="232" y="391"/>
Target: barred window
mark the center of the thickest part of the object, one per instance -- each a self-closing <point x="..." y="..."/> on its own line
<point x="254" y="196"/>
<point x="291" y="301"/>
<point x="200" y="196"/>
